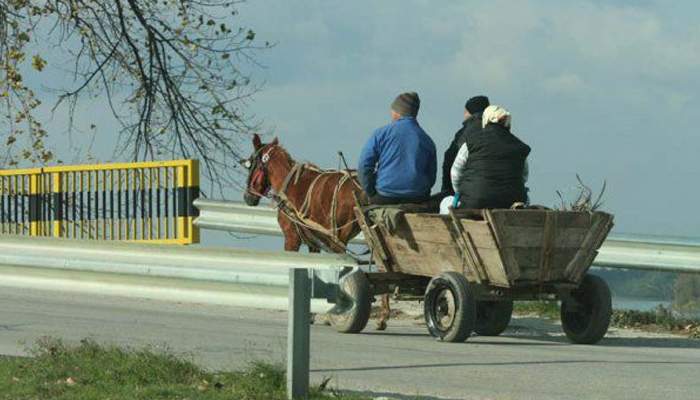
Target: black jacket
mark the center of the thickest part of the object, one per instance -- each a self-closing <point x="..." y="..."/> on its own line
<point x="470" y="125"/>
<point x="493" y="174"/>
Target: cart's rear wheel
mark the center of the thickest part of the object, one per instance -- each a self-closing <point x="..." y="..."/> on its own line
<point x="493" y="317"/>
<point x="585" y="316"/>
<point x="351" y="313"/>
<point x="450" y="307"/>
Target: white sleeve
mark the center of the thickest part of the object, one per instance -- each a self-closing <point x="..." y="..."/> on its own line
<point x="526" y="172"/>
<point x="457" y="171"/>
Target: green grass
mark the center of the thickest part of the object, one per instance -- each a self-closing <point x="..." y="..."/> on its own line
<point x="541" y="308"/>
<point x="661" y="319"/>
<point x="91" y="371"/>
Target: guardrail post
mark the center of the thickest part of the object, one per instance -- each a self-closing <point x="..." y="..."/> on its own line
<point x="298" y="334"/>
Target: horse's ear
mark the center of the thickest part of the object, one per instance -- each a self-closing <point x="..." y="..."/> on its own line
<point x="275" y="141"/>
<point x="256" y="141"/>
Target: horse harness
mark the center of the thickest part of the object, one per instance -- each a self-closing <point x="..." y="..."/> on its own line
<point x="302" y="222"/>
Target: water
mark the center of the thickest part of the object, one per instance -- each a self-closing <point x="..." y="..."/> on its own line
<point x="629" y="303"/>
<point x="679" y="240"/>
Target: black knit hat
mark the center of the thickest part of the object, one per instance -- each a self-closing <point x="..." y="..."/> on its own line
<point x="477" y="104"/>
<point x="406" y="104"/>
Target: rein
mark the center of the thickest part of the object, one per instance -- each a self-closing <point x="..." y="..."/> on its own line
<point x="304" y="225"/>
<point x="300" y="216"/>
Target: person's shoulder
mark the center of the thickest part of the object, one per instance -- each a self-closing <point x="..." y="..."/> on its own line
<point x="383" y="129"/>
<point x="473" y="122"/>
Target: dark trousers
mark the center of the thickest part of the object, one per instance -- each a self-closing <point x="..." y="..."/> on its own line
<point x="380" y="200"/>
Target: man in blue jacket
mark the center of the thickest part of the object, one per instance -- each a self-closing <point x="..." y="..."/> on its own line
<point x="398" y="163"/>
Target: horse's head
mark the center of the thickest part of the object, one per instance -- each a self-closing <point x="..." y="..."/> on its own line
<point x="257" y="164"/>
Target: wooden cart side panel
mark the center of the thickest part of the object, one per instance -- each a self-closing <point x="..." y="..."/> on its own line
<point x="486" y="248"/>
<point x="601" y="225"/>
<point x="496" y="223"/>
<point x="424" y="246"/>
<point x="377" y="247"/>
<point x="536" y="218"/>
<point x="527" y="236"/>
<point x="470" y="260"/>
<point x="425" y="259"/>
<point x="548" y="250"/>
<point x="530" y="262"/>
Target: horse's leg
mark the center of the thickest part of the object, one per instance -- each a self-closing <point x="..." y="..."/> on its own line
<point x="292" y="240"/>
<point x="384" y="313"/>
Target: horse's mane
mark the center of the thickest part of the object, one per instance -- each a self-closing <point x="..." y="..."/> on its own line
<point x="308" y="165"/>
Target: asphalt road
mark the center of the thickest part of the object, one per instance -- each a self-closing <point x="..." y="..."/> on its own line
<point x="532" y="360"/>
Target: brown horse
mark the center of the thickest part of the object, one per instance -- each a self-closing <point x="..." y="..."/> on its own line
<point x="315" y="207"/>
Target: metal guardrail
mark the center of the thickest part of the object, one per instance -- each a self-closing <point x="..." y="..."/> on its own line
<point x="233" y="216"/>
<point x="648" y="255"/>
<point x="618" y="251"/>
<point x="307" y="276"/>
<point x="239" y="266"/>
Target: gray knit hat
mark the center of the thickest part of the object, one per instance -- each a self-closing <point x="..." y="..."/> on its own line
<point x="406" y="104"/>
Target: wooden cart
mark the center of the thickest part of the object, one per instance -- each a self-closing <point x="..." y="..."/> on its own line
<point x="471" y="265"/>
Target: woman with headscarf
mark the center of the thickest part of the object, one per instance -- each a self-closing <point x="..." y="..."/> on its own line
<point x="490" y="170"/>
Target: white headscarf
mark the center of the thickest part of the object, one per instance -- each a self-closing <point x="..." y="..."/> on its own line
<point x="495" y="115"/>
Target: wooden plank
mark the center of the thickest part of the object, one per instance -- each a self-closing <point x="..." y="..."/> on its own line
<point x="425" y="259"/>
<point x="481" y="233"/>
<point x="485" y="246"/>
<point x="496" y="225"/>
<point x="535" y="218"/>
<point x="430" y="229"/>
<point x="493" y="264"/>
<point x="472" y="263"/>
<point x="520" y="236"/>
<point x="601" y="226"/>
<point x="549" y="232"/>
<point x="530" y="263"/>
<point x="379" y="254"/>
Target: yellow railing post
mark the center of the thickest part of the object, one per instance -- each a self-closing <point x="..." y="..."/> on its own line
<point x="193" y="186"/>
<point x="57" y="194"/>
<point x="34" y="204"/>
<point x="181" y="211"/>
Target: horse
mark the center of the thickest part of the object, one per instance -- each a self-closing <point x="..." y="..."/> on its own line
<point x="315" y="206"/>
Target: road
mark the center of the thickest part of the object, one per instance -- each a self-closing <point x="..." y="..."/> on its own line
<point x="532" y="361"/>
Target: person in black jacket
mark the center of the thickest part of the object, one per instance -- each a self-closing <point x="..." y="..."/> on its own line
<point x="490" y="170"/>
<point x="473" y="110"/>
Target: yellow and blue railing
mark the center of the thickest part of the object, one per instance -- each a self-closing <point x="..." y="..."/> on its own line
<point x="140" y="201"/>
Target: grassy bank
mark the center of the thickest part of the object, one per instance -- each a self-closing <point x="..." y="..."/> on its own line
<point x="661" y="319"/>
<point x="91" y="371"/>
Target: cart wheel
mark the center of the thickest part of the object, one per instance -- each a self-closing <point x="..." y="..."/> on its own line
<point x="493" y="317"/>
<point x="450" y="308"/>
<point x="351" y="313"/>
<point x="585" y="316"/>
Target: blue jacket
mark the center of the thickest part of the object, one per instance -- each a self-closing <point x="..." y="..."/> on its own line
<point x="398" y="161"/>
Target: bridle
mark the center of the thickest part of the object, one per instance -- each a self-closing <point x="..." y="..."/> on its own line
<point x="257" y="164"/>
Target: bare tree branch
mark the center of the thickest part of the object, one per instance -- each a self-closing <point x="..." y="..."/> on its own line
<point x="172" y="72"/>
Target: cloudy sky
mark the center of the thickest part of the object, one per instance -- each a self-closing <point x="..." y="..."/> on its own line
<point x="608" y="90"/>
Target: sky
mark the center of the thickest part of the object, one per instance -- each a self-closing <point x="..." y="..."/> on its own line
<point x="606" y="89"/>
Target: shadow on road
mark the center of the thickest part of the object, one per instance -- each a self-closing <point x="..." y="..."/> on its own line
<point x="528" y="331"/>
<point x="545" y="330"/>
<point x="503" y="364"/>
<point x="394" y="396"/>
